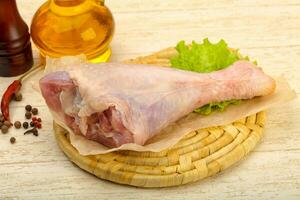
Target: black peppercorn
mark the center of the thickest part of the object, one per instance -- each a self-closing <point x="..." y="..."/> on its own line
<point x="25" y="125"/>
<point x="32" y="124"/>
<point x="34" y="111"/>
<point x="4" y="129"/>
<point x="12" y="140"/>
<point x="7" y="123"/>
<point x="28" y="115"/>
<point x="28" y="108"/>
<point x="18" y="96"/>
<point x="17" y="124"/>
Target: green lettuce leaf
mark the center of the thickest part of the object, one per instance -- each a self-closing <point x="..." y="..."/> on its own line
<point x="212" y="107"/>
<point x="204" y="58"/>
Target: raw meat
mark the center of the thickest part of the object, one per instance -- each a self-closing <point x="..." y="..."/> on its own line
<point x="114" y="103"/>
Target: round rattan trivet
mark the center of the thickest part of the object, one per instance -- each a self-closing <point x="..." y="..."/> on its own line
<point x="199" y="154"/>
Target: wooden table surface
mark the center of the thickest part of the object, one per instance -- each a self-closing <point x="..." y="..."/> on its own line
<point x="269" y="31"/>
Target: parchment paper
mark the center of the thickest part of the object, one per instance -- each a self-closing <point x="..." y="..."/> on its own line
<point x="174" y="132"/>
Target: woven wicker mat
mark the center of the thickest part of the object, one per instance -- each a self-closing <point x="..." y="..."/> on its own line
<point x="201" y="153"/>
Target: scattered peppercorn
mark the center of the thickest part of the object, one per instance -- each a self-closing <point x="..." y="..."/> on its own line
<point x="39" y="126"/>
<point x="32" y="124"/>
<point x="18" y="96"/>
<point x="28" y="108"/>
<point x="35" y="111"/>
<point x="28" y="115"/>
<point x="25" y="125"/>
<point x="12" y="140"/>
<point x="17" y="124"/>
<point x="39" y="120"/>
<point x="34" y="119"/>
<point x="4" y="129"/>
<point x="7" y="123"/>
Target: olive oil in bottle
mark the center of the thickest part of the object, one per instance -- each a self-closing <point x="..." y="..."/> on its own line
<point x="73" y="27"/>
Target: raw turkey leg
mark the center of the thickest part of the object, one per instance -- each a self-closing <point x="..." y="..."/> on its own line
<point x="114" y="103"/>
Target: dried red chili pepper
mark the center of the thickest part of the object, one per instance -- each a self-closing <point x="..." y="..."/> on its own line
<point x="7" y="96"/>
<point x="13" y="88"/>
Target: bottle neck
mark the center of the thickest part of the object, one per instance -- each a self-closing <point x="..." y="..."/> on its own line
<point x="75" y="2"/>
<point x="68" y="3"/>
<point x="70" y="7"/>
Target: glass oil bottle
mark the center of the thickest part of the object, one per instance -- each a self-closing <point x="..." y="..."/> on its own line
<point x="73" y="27"/>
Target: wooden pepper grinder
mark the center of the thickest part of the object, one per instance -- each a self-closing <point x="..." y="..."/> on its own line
<point x="15" y="47"/>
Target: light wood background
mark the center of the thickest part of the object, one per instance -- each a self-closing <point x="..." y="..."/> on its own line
<point x="269" y="31"/>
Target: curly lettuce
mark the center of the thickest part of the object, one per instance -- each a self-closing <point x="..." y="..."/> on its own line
<point x="212" y="107"/>
<point x="203" y="58"/>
